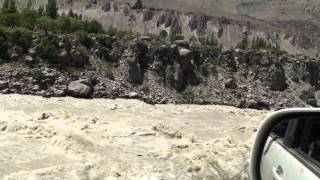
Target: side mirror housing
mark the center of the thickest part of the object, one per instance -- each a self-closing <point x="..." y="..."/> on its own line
<point x="287" y="146"/>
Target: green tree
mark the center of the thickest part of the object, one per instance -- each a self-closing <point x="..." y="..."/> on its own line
<point x="12" y="7"/>
<point x="163" y="34"/>
<point x="64" y="24"/>
<point x="10" y="19"/>
<point x="40" y="11"/>
<point x="51" y="9"/>
<point x="3" y="43"/>
<point x="71" y="14"/>
<point x="244" y="44"/>
<point x="20" y="36"/>
<point x="5" y="6"/>
<point x="93" y="26"/>
<point x="28" y="18"/>
<point x="48" y="49"/>
<point x="46" y="23"/>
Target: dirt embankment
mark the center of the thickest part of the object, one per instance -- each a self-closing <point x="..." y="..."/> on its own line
<point x="66" y="138"/>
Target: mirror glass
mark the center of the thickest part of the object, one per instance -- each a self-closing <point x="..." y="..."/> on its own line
<point x="292" y="150"/>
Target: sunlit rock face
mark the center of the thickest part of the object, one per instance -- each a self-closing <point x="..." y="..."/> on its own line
<point x="294" y="25"/>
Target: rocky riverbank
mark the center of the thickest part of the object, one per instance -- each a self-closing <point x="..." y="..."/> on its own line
<point x="176" y="72"/>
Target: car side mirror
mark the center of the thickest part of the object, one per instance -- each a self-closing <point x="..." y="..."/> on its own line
<point x="287" y="146"/>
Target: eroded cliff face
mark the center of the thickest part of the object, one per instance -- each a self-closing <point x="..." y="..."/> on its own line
<point x="177" y="72"/>
<point x="217" y="19"/>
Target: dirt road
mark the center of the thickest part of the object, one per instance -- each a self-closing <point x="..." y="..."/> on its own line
<point x="67" y="138"/>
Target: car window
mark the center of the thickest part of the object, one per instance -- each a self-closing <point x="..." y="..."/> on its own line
<point x="302" y="139"/>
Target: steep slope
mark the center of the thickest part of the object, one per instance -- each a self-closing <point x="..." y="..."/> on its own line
<point x="293" y="25"/>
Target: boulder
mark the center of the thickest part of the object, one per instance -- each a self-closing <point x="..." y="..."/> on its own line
<point x="147" y="15"/>
<point x="29" y="59"/>
<point x="80" y="88"/>
<point x="106" y="7"/>
<point x="175" y="26"/>
<point x="32" y="51"/>
<point x="278" y="79"/>
<point x="230" y="83"/>
<point x="184" y="52"/>
<point x="125" y="11"/>
<point x="135" y="4"/>
<point x="133" y="95"/>
<point x="145" y="38"/>
<point x="3" y="84"/>
<point x="135" y="75"/>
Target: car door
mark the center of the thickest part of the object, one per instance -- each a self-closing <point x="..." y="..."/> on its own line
<point x="283" y="156"/>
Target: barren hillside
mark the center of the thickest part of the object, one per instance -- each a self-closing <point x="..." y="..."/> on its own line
<point x="293" y="25"/>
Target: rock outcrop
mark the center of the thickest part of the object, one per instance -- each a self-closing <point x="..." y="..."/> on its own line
<point x="175" y="72"/>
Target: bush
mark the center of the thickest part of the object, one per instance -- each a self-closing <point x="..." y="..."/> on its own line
<point x="63" y="24"/>
<point x="20" y="36"/>
<point x="174" y="37"/>
<point x="83" y="38"/>
<point x="211" y="43"/>
<point x="48" y="49"/>
<point x="10" y="19"/>
<point x="38" y="75"/>
<point x="163" y="34"/>
<point x="28" y="18"/>
<point x="244" y="44"/>
<point x="51" y="9"/>
<point x="3" y="43"/>
<point x="46" y="23"/>
<point x="93" y="27"/>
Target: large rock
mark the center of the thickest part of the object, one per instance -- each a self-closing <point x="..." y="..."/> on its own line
<point x="80" y="88"/>
<point x="278" y="81"/>
<point x="147" y="15"/>
<point x="136" y="4"/>
<point x="106" y="7"/>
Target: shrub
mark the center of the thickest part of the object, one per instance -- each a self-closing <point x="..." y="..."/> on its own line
<point x="20" y="36"/>
<point x="83" y="38"/>
<point x="40" y="11"/>
<point x="46" y="23"/>
<point x="51" y="9"/>
<point x="163" y="34"/>
<point x="211" y="43"/>
<point x="76" y="25"/>
<point x="10" y="19"/>
<point x="37" y="74"/>
<point x="48" y="50"/>
<point x="9" y="6"/>
<point x="28" y="18"/>
<point x="3" y="43"/>
<point x="93" y="26"/>
<point x="174" y="37"/>
<point x="244" y="44"/>
<point x="63" y="24"/>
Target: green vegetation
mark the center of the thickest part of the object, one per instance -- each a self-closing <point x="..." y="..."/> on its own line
<point x="259" y="44"/>
<point x="211" y="43"/>
<point x="173" y="37"/>
<point x="38" y="75"/>
<point x="51" y="9"/>
<point x="120" y="33"/>
<point x="17" y="27"/>
<point x="163" y="35"/>
<point x="47" y="20"/>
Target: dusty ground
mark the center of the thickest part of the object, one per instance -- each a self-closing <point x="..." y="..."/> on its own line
<point x="66" y="138"/>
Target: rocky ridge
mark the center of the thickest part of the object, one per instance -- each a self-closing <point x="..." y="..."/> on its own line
<point x="177" y="72"/>
<point x="296" y="35"/>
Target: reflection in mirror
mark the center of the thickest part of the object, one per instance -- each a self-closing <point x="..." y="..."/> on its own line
<point x="292" y="150"/>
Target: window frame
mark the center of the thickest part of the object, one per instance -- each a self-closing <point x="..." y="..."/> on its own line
<point x="287" y="143"/>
